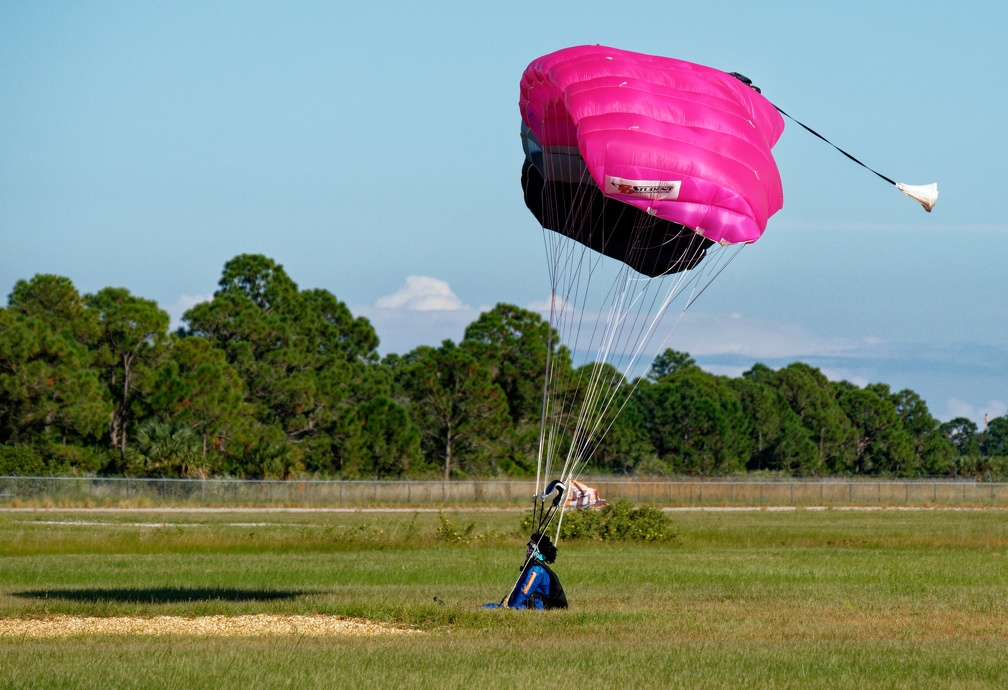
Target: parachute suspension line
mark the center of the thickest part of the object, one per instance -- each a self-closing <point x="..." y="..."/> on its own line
<point x="604" y="384"/>
<point x="716" y="270"/>
<point x="566" y="261"/>
<point x="925" y="195"/>
<point x="576" y="299"/>
<point x="607" y="332"/>
<point x="598" y="415"/>
<point x="560" y="261"/>
<point x="553" y="248"/>
<point x="582" y="400"/>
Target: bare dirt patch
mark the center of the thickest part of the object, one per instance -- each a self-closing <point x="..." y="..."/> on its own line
<point x="223" y="626"/>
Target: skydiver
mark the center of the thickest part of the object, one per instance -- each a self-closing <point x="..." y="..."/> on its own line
<point x="538" y="586"/>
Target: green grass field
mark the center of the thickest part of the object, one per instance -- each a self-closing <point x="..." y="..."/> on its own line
<point x="806" y="598"/>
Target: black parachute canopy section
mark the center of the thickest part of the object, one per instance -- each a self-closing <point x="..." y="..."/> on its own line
<point x="649" y="245"/>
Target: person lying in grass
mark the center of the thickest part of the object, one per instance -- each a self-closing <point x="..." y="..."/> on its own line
<point x="538" y="587"/>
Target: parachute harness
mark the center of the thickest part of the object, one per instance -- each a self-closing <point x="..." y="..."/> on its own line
<point x="558" y="491"/>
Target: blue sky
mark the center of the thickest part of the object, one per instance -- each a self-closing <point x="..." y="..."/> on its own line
<point x="373" y="150"/>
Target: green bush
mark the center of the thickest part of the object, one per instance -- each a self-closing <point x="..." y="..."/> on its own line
<point x="53" y="458"/>
<point x="20" y="460"/>
<point x="60" y="459"/>
<point x="618" y="521"/>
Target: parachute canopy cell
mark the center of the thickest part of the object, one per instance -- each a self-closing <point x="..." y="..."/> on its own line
<point x="616" y="140"/>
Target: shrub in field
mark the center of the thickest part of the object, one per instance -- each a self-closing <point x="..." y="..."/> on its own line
<point x="618" y="521"/>
<point x="72" y="459"/>
<point x="453" y="534"/>
<point x="22" y="460"/>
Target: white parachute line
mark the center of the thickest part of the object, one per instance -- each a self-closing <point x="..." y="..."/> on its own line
<point x="699" y="286"/>
<point x="602" y="388"/>
<point x="632" y="306"/>
<point x="676" y="292"/>
<point x="593" y="407"/>
<point x="553" y="252"/>
<point x="573" y="328"/>
<point x="682" y="278"/>
<point x="572" y="325"/>
<point x="582" y="401"/>
<point x="629" y="394"/>
<point x="737" y="248"/>
<point x="606" y="382"/>
<point x="642" y="336"/>
<point x="595" y="437"/>
<point x="590" y="394"/>
<point x="563" y="264"/>
<point x="547" y="374"/>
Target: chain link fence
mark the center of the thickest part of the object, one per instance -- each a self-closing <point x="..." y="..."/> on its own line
<point x="688" y="492"/>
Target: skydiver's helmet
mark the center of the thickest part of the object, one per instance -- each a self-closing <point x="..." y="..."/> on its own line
<point x="540" y="549"/>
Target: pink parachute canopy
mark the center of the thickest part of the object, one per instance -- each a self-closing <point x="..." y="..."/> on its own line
<point x="681" y="142"/>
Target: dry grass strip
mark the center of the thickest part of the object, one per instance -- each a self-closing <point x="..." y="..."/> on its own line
<point x="224" y="626"/>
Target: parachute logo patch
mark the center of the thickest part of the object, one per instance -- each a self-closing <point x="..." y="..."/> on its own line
<point x="645" y="189"/>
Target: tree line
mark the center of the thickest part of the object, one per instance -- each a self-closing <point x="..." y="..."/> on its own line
<point x="269" y="380"/>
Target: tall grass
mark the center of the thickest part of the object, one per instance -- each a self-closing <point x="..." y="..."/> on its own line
<point x="752" y="599"/>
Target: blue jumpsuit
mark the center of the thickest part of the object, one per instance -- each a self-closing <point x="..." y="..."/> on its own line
<point x="535" y="581"/>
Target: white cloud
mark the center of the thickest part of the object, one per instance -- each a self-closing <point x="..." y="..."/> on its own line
<point x="851" y="376"/>
<point x="183" y="304"/>
<point x="423" y="311"/>
<point x="401" y="330"/>
<point x="542" y="306"/>
<point x="704" y="334"/>
<point x="726" y="370"/>
<point x="960" y="408"/>
<point x="422" y="293"/>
